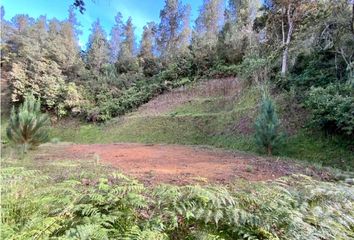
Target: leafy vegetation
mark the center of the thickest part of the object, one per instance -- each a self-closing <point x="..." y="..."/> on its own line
<point x="333" y="107"/>
<point x="111" y="206"/>
<point x="27" y="126"/>
<point x="302" y="50"/>
<point x="113" y="77"/>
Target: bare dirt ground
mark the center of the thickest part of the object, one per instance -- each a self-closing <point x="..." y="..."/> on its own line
<point x="180" y="165"/>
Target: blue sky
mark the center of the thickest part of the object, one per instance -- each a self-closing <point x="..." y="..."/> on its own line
<point x="142" y="11"/>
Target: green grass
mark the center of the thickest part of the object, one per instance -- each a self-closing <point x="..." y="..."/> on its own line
<point x="206" y="122"/>
<point x="219" y="105"/>
<point x="315" y="148"/>
<point x="333" y="151"/>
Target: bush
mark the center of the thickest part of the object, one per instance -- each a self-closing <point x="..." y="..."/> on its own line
<point x="138" y="93"/>
<point x="267" y="125"/>
<point x="28" y="126"/>
<point x="317" y="69"/>
<point x="137" y="90"/>
<point x="222" y="70"/>
<point x="333" y="107"/>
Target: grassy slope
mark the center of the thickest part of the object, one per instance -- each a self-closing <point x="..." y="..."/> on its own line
<point x="211" y="121"/>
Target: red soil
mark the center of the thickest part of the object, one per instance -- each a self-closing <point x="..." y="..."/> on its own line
<point x="182" y="164"/>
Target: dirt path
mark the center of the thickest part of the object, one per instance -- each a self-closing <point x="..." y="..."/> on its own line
<point x="181" y="164"/>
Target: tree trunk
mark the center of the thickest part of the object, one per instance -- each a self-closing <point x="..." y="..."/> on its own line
<point x="269" y="149"/>
<point x="352" y="23"/>
<point x="284" y="67"/>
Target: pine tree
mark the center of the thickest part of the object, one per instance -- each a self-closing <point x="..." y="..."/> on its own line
<point x="205" y="34"/>
<point x="210" y="16"/>
<point x="127" y="49"/>
<point x="28" y="127"/>
<point x="147" y="43"/>
<point x="98" y="48"/>
<point x="147" y="59"/>
<point x="63" y="45"/>
<point x="116" y="37"/>
<point x="237" y="34"/>
<point x="127" y="59"/>
<point x="172" y="32"/>
<point x="267" y="125"/>
<point x="34" y="67"/>
<point x="75" y="24"/>
<point x="184" y="39"/>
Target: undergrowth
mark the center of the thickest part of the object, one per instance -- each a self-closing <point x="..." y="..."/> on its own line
<point x="113" y="206"/>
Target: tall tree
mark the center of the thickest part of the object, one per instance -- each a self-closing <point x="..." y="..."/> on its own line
<point x="209" y="19"/>
<point x="127" y="59"/>
<point x="74" y="22"/>
<point x="33" y="69"/>
<point x="290" y="13"/>
<point x="186" y="30"/>
<point x="147" y="59"/>
<point x="171" y="31"/>
<point x="21" y="22"/>
<point x="116" y="37"/>
<point x="241" y="11"/>
<point x="63" y="46"/>
<point x="7" y="33"/>
<point x="147" y="42"/>
<point x="2" y="13"/>
<point x="127" y="49"/>
<point x="97" y="48"/>
<point x="205" y="34"/>
<point x="338" y="39"/>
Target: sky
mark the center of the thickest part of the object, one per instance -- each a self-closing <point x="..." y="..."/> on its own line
<point x="141" y="11"/>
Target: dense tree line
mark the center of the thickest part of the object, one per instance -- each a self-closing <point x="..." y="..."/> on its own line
<point x="303" y="46"/>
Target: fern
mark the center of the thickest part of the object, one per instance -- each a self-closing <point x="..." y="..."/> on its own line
<point x="34" y="206"/>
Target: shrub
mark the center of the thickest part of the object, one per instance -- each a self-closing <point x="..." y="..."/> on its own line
<point x="317" y="69"/>
<point x="333" y="107"/>
<point x="28" y="126"/>
<point x="222" y="70"/>
<point x="267" y="125"/>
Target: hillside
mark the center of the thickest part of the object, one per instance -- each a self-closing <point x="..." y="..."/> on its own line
<point x="217" y="112"/>
<point x="197" y="120"/>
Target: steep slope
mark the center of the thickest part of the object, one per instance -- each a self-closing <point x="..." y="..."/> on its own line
<point x="206" y="108"/>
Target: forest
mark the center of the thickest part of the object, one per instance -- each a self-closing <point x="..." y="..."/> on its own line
<point x="234" y="124"/>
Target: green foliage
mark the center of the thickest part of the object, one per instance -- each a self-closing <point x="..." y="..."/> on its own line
<point x="114" y="206"/>
<point x="111" y="106"/>
<point x="42" y="78"/>
<point x="333" y="107"/>
<point x="267" y="125"/>
<point x="97" y="48"/>
<point x="317" y="69"/>
<point x="222" y="70"/>
<point x="27" y="126"/>
<point x="117" y="94"/>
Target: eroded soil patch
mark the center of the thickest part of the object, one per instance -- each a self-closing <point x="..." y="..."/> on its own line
<point x="182" y="164"/>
